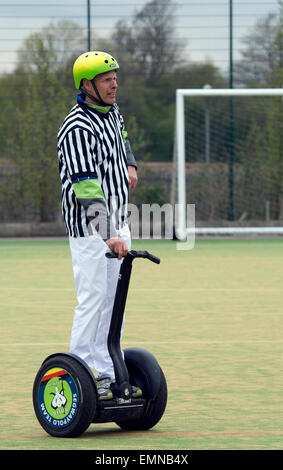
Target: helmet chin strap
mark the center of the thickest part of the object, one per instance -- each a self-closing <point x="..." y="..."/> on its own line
<point x="99" y="101"/>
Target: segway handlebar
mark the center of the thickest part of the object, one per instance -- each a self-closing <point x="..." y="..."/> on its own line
<point x="135" y="254"/>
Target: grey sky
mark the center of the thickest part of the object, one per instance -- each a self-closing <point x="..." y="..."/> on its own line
<point x="204" y="24"/>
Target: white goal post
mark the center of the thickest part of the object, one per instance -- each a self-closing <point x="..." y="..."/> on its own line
<point x="181" y="227"/>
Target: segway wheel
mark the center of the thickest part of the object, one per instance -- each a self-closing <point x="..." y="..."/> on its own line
<point x="155" y="408"/>
<point x="64" y="397"/>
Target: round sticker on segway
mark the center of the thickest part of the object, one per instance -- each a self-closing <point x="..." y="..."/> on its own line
<point x="58" y="397"/>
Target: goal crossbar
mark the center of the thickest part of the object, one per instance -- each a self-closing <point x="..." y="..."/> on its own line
<point x="180" y="136"/>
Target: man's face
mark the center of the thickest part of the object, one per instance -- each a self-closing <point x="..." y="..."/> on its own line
<point x="107" y="85"/>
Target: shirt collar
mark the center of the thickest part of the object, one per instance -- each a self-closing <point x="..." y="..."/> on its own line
<point x="100" y="109"/>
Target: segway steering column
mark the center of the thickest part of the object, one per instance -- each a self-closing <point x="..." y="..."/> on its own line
<point x="122" y="388"/>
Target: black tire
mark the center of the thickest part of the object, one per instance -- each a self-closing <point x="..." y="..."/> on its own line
<point x="69" y="411"/>
<point x="155" y="408"/>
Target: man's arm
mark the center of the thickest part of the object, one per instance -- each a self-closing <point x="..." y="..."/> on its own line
<point x="132" y="165"/>
<point x="131" y="161"/>
<point x="90" y="195"/>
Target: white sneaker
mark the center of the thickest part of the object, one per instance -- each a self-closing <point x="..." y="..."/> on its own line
<point x="103" y="388"/>
<point x="105" y="393"/>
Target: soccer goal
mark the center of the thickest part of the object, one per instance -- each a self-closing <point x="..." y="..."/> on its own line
<point x="228" y="160"/>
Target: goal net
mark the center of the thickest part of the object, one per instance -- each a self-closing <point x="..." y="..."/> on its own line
<point x="228" y="160"/>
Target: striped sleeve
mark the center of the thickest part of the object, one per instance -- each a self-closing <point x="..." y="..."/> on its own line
<point x="78" y="149"/>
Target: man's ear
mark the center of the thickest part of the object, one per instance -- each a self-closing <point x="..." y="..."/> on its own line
<point x="85" y="83"/>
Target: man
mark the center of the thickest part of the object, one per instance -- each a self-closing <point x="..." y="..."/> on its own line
<point x="96" y="168"/>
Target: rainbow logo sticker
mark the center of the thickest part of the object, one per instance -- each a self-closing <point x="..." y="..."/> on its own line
<point x="58" y="397"/>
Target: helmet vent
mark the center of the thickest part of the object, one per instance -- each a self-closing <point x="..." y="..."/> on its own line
<point x="106" y="61"/>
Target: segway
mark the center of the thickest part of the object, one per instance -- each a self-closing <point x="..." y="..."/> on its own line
<point x="65" y="397"/>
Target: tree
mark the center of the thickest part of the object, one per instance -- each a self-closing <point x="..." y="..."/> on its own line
<point x="149" y="40"/>
<point x="262" y="52"/>
<point x="158" y="119"/>
<point x="33" y="145"/>
<point x="42" y="101"/>
<point x="52" y="47"/>
<point x="278" y="50"/>
<point x="262" y="66"/>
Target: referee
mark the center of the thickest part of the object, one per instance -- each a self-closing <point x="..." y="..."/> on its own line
<point x="96" y="168"/>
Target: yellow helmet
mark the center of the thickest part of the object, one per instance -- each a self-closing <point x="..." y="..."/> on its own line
<point x="92" y="63"/>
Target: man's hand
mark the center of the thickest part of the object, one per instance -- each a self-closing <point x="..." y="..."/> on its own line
<point x="117" y="245"/>
<point x="133" y="177"/>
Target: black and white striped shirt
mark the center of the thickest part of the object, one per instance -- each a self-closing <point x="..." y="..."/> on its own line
<point x="91" y="145"/>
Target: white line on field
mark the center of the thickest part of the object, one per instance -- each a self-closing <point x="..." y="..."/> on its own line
<point x="157" y="289"/>
<point x="69" y="289"/>
<point x="279" y="341"/>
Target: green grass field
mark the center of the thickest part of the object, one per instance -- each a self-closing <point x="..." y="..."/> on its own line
<point x="212" y="316"/>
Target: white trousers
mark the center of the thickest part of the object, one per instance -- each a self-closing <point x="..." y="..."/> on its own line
<point x="95" y="280"/>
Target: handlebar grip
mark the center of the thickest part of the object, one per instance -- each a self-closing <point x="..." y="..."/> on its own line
<point x="111" y="254"/>
<point x="135" y="254"/>
<point x="146" y="254"/>
<point x="153" y="258"/>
